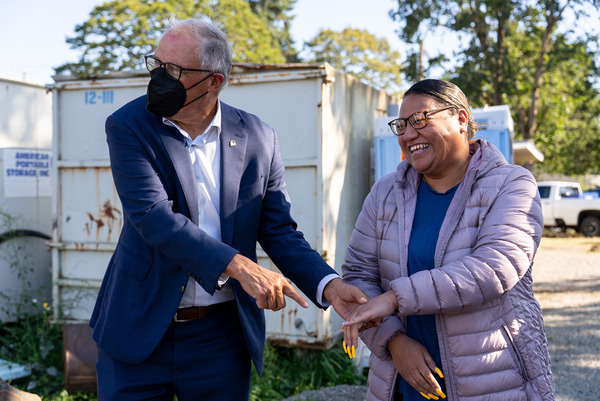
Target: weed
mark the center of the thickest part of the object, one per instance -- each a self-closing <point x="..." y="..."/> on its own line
<point x="27" y="337"/>
<point x="289" y="371"/>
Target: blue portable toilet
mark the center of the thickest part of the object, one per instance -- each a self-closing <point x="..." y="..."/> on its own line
<point x="495" y="125"/>
<point x="387" y="150"/>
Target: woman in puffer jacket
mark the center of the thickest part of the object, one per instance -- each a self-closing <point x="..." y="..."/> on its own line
<point x="445" y="247"/>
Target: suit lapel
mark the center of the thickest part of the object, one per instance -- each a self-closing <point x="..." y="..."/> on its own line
<point x="234" y="142"/>
<point x="179" y="153"/>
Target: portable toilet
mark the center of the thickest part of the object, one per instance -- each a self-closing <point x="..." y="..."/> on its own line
<point x="495" y="125"/>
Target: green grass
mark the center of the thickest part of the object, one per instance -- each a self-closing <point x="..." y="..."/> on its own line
<point x="290" y="371"/>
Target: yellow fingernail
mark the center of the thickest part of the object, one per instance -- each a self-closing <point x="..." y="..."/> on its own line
<point x="345" y="349"/>
<point x="434" y="397"/>
<point x="353" y="352"/>
<point x="439" y="372"/>
<point x="342" y="328"/>
<point x="425" y="395"/>
<point x="440" y="392"/>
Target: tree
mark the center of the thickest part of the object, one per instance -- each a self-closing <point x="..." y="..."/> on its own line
<point x="516" y="56"/>
<point x="359" y="53"/>
<point x="120" y="32"/>
<point x="568" y="123"/>
<point x="276" y="14"/>
<point x="251" y="39"/>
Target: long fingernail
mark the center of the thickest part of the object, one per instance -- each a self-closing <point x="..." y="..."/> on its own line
<point x="440" y="392"/>
<point x="425" y="395"/>
<point x="342" y="328"/>
<point x="434" y="397"/>
<point x="439" y="372"/>
<point x="353" y="352"/>
<point x="345" y="349"/>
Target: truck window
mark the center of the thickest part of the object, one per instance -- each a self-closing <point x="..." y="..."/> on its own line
<point x="569" y="192"/>
<point x="544" y="192"/>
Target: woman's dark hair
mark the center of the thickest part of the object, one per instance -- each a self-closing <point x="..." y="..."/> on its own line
<point x="447" y="94"/>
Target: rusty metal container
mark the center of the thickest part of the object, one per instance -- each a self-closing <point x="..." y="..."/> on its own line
<point x="324" y="120"/>
<point x="25" y="196"/>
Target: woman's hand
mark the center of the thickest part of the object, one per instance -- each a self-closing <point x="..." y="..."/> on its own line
<point x="367" y="315"/>
<point x="416" y="366"/>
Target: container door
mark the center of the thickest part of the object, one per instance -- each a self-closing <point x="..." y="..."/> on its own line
<point x="87" y="211"/>
<point x="292" y="108"/>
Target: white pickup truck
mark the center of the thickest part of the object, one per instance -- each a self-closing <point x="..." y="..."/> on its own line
<point x="565" y="205"/>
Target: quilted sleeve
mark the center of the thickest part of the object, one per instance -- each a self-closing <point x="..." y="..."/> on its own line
<point x="488" y="252"/>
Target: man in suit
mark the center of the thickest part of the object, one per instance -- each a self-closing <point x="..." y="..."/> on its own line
<point x="180" y="310"/>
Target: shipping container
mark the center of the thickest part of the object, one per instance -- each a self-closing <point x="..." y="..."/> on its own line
<point x="25" y="196"/>
<point x="324" y="120"/>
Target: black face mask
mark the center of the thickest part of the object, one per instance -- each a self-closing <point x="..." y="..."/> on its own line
<point x="166" y="96"/>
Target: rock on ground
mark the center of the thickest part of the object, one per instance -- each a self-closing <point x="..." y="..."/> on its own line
<point x="10" y="393"/>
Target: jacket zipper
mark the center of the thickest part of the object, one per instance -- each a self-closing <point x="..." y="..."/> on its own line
<point x="516" y="352"/>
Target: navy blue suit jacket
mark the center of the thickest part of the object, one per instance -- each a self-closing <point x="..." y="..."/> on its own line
<point x="160" y="243"/>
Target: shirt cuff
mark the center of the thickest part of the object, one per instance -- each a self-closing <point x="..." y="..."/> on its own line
<point x="223" y="279"/>
<point x="324" y="303"/>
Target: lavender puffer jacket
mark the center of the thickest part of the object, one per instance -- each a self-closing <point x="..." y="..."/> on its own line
<point x="489" y="325"/>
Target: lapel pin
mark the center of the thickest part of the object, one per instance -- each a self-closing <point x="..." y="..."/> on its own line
<point x="232" y="144"/>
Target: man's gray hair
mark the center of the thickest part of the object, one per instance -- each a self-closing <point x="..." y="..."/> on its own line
<point x="213" y="48"/>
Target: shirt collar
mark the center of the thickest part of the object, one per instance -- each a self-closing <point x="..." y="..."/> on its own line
<point x="212" y="131"/>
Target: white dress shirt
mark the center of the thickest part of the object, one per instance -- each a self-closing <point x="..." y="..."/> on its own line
<point x="205" y="155"/>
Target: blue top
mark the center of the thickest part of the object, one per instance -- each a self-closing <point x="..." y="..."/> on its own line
<point x="429" y="216"/>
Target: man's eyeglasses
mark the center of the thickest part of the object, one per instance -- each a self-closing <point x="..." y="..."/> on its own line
<point x="173" y="70"/>
<point x="416" y="120"/>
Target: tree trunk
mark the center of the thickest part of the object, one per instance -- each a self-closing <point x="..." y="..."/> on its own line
<point x="499" y="67"/>
<point x="551" y="20"/>
<point x="535" y="91"/>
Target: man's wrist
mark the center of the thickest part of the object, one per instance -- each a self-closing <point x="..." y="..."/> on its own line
<point x="325" y="283"/>
<point x="233" y="268"/>
<point x="330" y="290"/>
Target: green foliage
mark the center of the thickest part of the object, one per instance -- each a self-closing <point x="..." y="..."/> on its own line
<point x="360" y="53"/>
<point x="33" y="342"/>
<point x="516" y="55"/>
<point x="120" y="32"/>
<point x="568" y="122"/>
<point x="26" y="336"/>
<point x="277" y="15"/>
<point x="78" y="396"/>
<point x="251" y="39"/>
<point x="289" y="371"/>
<point x="567" y="125"/>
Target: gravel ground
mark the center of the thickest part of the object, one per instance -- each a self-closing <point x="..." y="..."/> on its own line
<point x="566" y="278"/>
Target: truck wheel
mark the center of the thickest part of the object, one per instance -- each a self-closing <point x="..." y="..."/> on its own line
<point x="590" y="226"/>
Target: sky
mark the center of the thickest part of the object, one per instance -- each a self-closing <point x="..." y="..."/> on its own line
<point x="33" y="32"/>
